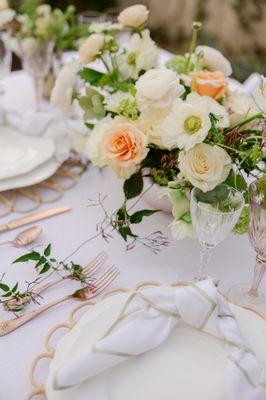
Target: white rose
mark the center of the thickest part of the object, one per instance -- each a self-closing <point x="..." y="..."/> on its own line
<point x="6" y="16"/>
<point x="141" y="55"/>
<point x="91" y="48"/>
<point x="62" y="93"/>
<point x="133" y="16"/>
<point x="94" y="146"/>
<point x="259" y="95"/>
<point x="112" y="102"/>
<point x="240" y="107"/>
<point x="205" y="166"/>
<point x="214" y="60"/>
<point x="3" y="5"/>
<point x="157" y="88"/>
<point x="181" y="229"/>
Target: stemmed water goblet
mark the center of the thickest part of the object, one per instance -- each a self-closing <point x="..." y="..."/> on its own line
<point x="37" y="55"/>
<point x="214" y="214"/>
<point x="245" y="294"/>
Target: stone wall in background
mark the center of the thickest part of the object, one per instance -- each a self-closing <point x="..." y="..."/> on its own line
<point x="236" y="25"/>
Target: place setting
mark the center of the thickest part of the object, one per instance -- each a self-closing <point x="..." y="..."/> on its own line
<point x="132" y="204"/>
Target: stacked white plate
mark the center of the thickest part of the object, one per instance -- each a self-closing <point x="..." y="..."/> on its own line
<point x="25" y="160"/>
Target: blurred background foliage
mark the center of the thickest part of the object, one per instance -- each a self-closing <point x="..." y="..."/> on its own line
<point x="236" y="27"/>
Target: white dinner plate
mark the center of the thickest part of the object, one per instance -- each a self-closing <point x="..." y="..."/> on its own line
<point x="39" y="174"/>
<point x="21" y="153"/>
<point x="189" y="365"/>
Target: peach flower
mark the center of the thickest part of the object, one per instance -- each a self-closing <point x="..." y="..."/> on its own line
<point x="124" y="146"/>
<point x="207" y="83"/>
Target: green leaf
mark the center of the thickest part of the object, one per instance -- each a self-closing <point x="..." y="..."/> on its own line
<point x="125" y="231"/>
<point x="236" y="181"/>
<point x="45" y="268"/>
<point x="4" y="287"/>
<point x="34" y="255"/>
<point x="47" y="251"/>
<point x="122" y="214"/>
<point x="15" y="288"/>
<point x="7" y="294"/>
<point x="90" y="76"/>
<point x="133" y="186"/>
<point x="40" y="262"/>
<point x="137" y="217"/>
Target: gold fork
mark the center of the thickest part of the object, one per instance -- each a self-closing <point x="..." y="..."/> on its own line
<point x="82" y="294"/>
<point x="88" y="270"/>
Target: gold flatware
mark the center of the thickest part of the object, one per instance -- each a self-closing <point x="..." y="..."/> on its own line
<point x="83" y="294"/>
<point x="88" y="270"/>
<point x="16" y="223"/>
<point x="25" y="237"/>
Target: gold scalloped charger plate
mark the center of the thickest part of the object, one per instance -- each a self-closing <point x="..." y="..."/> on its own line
<point x="53" y="335"/>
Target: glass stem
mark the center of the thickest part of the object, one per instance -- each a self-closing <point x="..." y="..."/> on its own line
<point x="39" y="92"/>
<point x="205" y="256"/>
<point x="257" y="277"/>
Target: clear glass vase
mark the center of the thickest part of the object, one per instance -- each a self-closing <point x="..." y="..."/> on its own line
<point x="36" y="58"/>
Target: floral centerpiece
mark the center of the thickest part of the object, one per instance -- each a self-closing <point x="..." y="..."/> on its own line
<point x="181" y="125"/>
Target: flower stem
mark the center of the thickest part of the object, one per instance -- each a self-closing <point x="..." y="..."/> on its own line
<point x="196" y="26"/>
<point x="246" y="121"/>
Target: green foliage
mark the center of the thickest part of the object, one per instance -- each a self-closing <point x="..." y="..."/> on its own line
<point x="178" y="64"/>
<point x="163" y="164"/>
<point x="214" y="133"/>
<point x="237" y="181"/>
<point x="133" y="186"/>
<point x="137" y="217"/>
<point x="92" y="104"/>
<point x="91" y="76"/>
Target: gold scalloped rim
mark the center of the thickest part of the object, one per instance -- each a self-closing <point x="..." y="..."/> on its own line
<point x="40" y="387"/>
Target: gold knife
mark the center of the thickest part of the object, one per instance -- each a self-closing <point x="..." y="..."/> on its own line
<point x="33" y="218"/>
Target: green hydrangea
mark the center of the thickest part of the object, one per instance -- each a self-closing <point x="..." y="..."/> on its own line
<point x="128" y="108"/>
<point x="242" y="224"/>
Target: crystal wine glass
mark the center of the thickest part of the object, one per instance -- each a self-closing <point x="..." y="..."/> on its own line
<point x="5" y="55"/>
<point x="245" y="294"/>
<point x="214" y="214"/>
<point x="37" y="57"/>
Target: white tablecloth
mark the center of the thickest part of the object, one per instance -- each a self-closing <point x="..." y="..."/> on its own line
<point x="232" y="262"/>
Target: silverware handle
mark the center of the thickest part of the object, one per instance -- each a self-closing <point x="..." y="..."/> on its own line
<point x="48" y="285"/>
<point x="14" y="323"/>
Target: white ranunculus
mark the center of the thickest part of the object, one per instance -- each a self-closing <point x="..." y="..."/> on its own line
<point x="63" y="90"/>
<point x="95" y="141"/>
<point x="187" y="124"/>
<point x="6" y="16"/>
<point x="133" y="16"/>
<point x="141" y="55"/>
<point x="181" y="229"/>
<point x="152" y="119"/>
<point x="259" y="95"/>
<point x="214" y="60"/>
<point x="158" y="88"/>
<point x="3" y="5"/>
<point x="240" y="107"/>
<point x="112" y="102"/>
<point x="205" y="166"/>
<point x="91" y="48"/>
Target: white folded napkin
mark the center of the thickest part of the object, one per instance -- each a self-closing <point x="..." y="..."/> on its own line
<point x="147" y="318"/>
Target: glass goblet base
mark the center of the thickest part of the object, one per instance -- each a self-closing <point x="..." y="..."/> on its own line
<point x="192" y="275"/>
<point x="242" y="296"/>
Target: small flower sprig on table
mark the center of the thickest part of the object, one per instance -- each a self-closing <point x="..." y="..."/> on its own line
<point x="14" y="299"/>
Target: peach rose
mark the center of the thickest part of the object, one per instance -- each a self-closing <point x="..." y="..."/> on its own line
<point x="124" y="146"/>
<point x="207" y="83"/>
